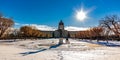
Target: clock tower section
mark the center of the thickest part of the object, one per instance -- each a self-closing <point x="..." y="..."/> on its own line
<point x="61" y="25"/>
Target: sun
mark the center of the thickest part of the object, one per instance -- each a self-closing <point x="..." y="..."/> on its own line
<point x="81" y="15"/>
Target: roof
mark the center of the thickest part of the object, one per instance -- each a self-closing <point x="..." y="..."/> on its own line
<point x="61" y="23"/>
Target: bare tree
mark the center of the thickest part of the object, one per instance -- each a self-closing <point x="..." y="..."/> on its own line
<point x="96" y="32"/>
<point x="111" y="23"/>
<point x="29" y="32"/>
<point x="5" y="23"/>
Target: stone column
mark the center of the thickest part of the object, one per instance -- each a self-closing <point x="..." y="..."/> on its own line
<point x="61" y="37"/>
<point x="60" y="40"/>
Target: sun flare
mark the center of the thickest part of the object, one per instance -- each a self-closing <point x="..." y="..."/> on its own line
<point x="81" y="15"/>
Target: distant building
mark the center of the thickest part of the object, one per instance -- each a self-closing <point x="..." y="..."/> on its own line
<point x="64" y="33"/>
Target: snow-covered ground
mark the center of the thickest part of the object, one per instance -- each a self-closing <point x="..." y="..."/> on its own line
<point x="47" y="49"/>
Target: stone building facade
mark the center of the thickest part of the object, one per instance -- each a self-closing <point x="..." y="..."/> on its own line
<point x="61" y="32"/>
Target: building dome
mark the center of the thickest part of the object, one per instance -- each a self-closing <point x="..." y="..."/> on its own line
<point x="61" y="23"/>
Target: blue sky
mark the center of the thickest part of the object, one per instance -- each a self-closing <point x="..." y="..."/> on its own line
<point x="50" y="12"/>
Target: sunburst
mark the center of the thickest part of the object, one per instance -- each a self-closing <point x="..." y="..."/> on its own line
<point x="81" y="15"/>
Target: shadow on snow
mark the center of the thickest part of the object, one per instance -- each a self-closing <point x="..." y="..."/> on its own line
<point x="104" y="43"/>
<point x="34" y="52"/>
<point x="54" y="46"/>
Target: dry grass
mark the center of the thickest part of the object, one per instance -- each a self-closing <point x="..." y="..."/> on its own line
<point x="94" y="45"/>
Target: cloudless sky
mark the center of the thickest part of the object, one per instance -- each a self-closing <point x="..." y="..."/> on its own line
<point x="50" y="12"/>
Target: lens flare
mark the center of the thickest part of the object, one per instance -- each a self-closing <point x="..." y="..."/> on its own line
<point x="81" y="15"/>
